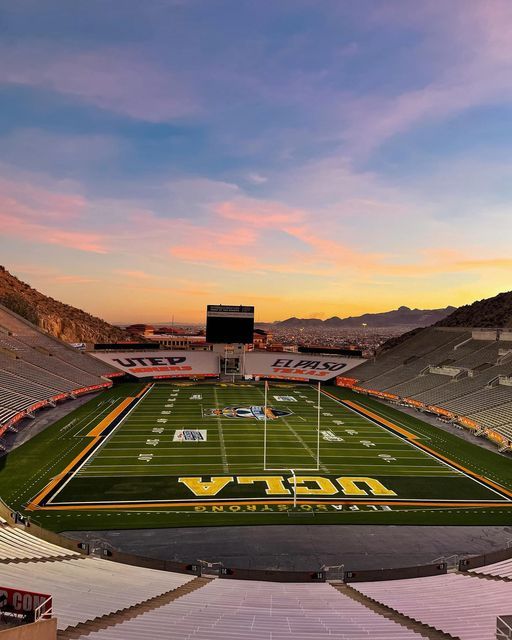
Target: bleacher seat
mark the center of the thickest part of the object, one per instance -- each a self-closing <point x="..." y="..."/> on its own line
<point x="17" y="544"/>
<point x="501" y="569"/>
<point x="86" y="588"/>
<point x="463" y="606"/>
<point x="473" y="390"/>
<point x="236" y="610"/>
<point x="36" y="367"/>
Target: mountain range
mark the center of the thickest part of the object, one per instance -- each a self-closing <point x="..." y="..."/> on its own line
<point x="403" y="316"/>
<point x="74" y="325"/>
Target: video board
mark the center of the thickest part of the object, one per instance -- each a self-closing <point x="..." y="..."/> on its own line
<point x="226" y="324"/>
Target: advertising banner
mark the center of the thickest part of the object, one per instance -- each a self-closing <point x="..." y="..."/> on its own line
<point x="94" y="387"/>
<point x="414" y="403"/>
<point x="440" y="411"/>
<point x="346" y="382"/>
<point x="382" y="394"/>
<point x="293" y="366"/>
<point x="24" y="601"/>
<point x="467" y="422"/>
<point x="161" y="363"/>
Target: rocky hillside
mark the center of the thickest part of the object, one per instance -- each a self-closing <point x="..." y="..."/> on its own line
<point x="490" y="312"/>
<point x="56" y="318"/>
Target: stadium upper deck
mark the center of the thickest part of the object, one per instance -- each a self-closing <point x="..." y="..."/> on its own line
<point x="462" y="374"/>
<point x="37" y="370"/>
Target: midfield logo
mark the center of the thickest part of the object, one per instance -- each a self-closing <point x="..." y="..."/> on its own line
<point x="257" y="412"/>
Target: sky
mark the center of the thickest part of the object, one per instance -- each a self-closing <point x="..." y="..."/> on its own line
<point x="313" y="158"/>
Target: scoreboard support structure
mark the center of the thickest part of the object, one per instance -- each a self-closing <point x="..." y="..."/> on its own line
<point x="229" y="329"/>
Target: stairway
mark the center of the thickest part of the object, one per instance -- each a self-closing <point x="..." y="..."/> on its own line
<point x="418" y="627"/>
<point x="112" y="619"/>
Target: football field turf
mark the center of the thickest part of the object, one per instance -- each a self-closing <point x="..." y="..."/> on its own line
<point x="181" y="445"/>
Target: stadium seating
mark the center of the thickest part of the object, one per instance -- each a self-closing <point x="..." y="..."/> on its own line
<point x="86" y="588"/>
<point x="420" y="383"/>
<point x="43" y="359"/>
<point x="486" y="398"/>
<point x="415" y="360"/>
<point x="13" y="382"/>
<point x="488" y="353"/>
<point x="418" y="346"/>
<point x="457" y="388"/>
<point x="101" y="595"/>
<point x="27" y="370"/>
<point x="35" y="367"/>
<point x="58" y="349"/>
<point x="464" y="606"/>
<point x="414" y="370"/>
<point x="17" y="544"/>
<point x="261" y="610"/>
<point x="498" y="418"/>
<point x="498" y="569"/>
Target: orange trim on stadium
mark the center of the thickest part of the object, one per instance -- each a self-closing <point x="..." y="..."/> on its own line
<point x="424" y="447"/>
<point x="153" y="505"/>
<point x="95" y="434"/>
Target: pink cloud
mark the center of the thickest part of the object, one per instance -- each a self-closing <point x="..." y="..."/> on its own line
<point x="253" y="225"/>
<point x="133" y="273"/>
<point x="30" y="231"/>
<point x="470" y="46"/>
<point x="75" y="279"/>
<point x="31" y="202"/>
<point x="36" y="214"/>
<point x="118" y="80"/>
<point x="258" y="213"/>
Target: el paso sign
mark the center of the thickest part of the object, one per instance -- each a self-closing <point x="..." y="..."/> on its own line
<point x="297" y="367"/>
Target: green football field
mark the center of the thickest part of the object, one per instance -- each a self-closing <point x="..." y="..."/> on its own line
<point x="171" y="454"/>
<point x="174" y="439"/>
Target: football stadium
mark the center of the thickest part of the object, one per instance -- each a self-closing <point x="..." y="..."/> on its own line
<point x="230" y="437"/>
<point x="256" y="320"/>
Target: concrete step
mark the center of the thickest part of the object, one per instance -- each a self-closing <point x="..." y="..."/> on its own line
<point x="112" y="619"/>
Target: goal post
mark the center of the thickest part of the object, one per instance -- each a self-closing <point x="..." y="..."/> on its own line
<point x="265" y="441"/>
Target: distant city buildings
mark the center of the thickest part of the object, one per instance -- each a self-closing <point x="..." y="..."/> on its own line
<point x="274" y="338"/>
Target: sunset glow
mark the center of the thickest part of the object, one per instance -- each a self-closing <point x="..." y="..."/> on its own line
<point x="312" y="159"/>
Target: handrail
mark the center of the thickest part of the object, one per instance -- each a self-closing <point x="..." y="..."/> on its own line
<point x="44" y="610"/>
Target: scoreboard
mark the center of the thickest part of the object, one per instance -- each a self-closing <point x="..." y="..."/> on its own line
<point x="226" y="324"/>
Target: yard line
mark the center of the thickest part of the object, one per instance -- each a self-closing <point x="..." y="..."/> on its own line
<point x="225" y="465"/>
<point x="306" y="447"/>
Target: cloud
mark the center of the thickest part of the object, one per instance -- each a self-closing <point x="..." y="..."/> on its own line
<point x="470" y="48"/>
<point x="117" y="79"/>
<point x="240" y="235"/>
<point x="48" y="273"/>
<point x="259" y="213"/>
<point x="60" y="153"/>
<point x="30" y="232"/>
<point x="133" y="273"/>
<point x="257" y="178"/>
<point x="36" y="214"/>
<point x="75" y="279"/>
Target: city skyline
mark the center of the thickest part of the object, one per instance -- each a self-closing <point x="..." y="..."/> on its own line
<point x="312" y="159"/>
